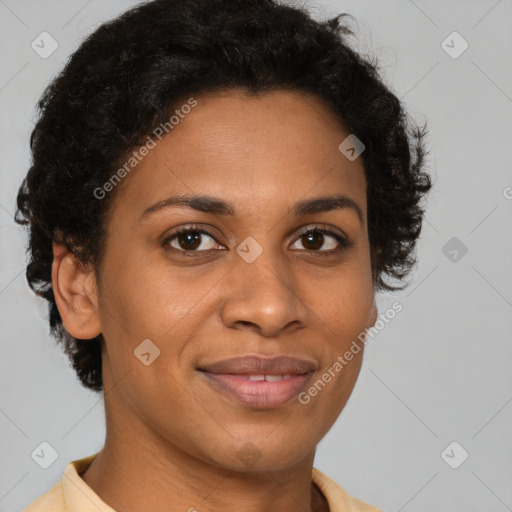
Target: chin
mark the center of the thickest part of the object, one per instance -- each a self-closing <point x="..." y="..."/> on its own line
<point x="254" y="456"/>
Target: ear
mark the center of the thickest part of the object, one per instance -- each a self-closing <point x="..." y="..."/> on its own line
<point x="373" y="315"/>
<point x="75" y="291"/>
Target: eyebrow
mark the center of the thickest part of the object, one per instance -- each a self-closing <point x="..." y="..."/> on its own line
<point x="214" y="205"/>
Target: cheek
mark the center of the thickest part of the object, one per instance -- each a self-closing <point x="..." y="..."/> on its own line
<point x="344" y="303"/>
<point x="344" y="306"/>
<point x="146" y="300"/>
<point x="141" y="302"/>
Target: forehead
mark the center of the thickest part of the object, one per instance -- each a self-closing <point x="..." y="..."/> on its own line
<point x="254" y="151"/>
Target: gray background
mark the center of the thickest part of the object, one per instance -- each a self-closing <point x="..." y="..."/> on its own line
<point x="437" y="373"/>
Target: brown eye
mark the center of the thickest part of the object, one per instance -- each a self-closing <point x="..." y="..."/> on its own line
<point x="190" y="240"/>
<point x="317" y="238"/>
<point x="313" y="240"/>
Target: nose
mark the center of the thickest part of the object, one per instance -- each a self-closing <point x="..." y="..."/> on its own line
<point x="263" y="296"/>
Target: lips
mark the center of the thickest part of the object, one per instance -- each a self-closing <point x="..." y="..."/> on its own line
<point x="258" y="382"/>
<point x="257" y="365"/>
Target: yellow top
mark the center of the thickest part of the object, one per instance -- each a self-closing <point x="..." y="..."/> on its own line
<point x="72" y="494"/>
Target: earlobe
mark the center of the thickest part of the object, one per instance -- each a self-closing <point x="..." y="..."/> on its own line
<point x="75" y="291"/>
<point x="373" y="315"/>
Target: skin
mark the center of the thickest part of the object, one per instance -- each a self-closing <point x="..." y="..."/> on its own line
<point x="167" y="429"/>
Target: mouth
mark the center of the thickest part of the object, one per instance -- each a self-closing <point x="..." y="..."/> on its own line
<point x="257" y="382"/>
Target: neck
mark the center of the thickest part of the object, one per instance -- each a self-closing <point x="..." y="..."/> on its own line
<point x="122" y="484"/>
<point x="178" y="480"/>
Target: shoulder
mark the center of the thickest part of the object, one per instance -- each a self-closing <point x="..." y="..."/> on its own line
<point x="339" y="500"/>
<point x="52" y="501"/>
<point x="70" y="493"/>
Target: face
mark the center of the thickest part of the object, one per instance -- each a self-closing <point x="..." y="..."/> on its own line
<point x="252" y="274"/>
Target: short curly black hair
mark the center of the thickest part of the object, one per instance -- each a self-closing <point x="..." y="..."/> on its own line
<point x="130" y="73"/>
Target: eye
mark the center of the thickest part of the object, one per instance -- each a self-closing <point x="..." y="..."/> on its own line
<point x="193" y="239"/>
<point x="315" y="238"/>
<point x="190" y="239"/>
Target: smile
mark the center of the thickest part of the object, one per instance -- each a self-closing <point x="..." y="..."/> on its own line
<point x="258" y="391"/>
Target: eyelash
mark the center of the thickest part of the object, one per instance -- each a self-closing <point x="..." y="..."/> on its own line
<point x="344" y="243"/>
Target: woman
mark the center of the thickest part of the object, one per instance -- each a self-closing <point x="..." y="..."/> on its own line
<point x="218" y="190"/>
